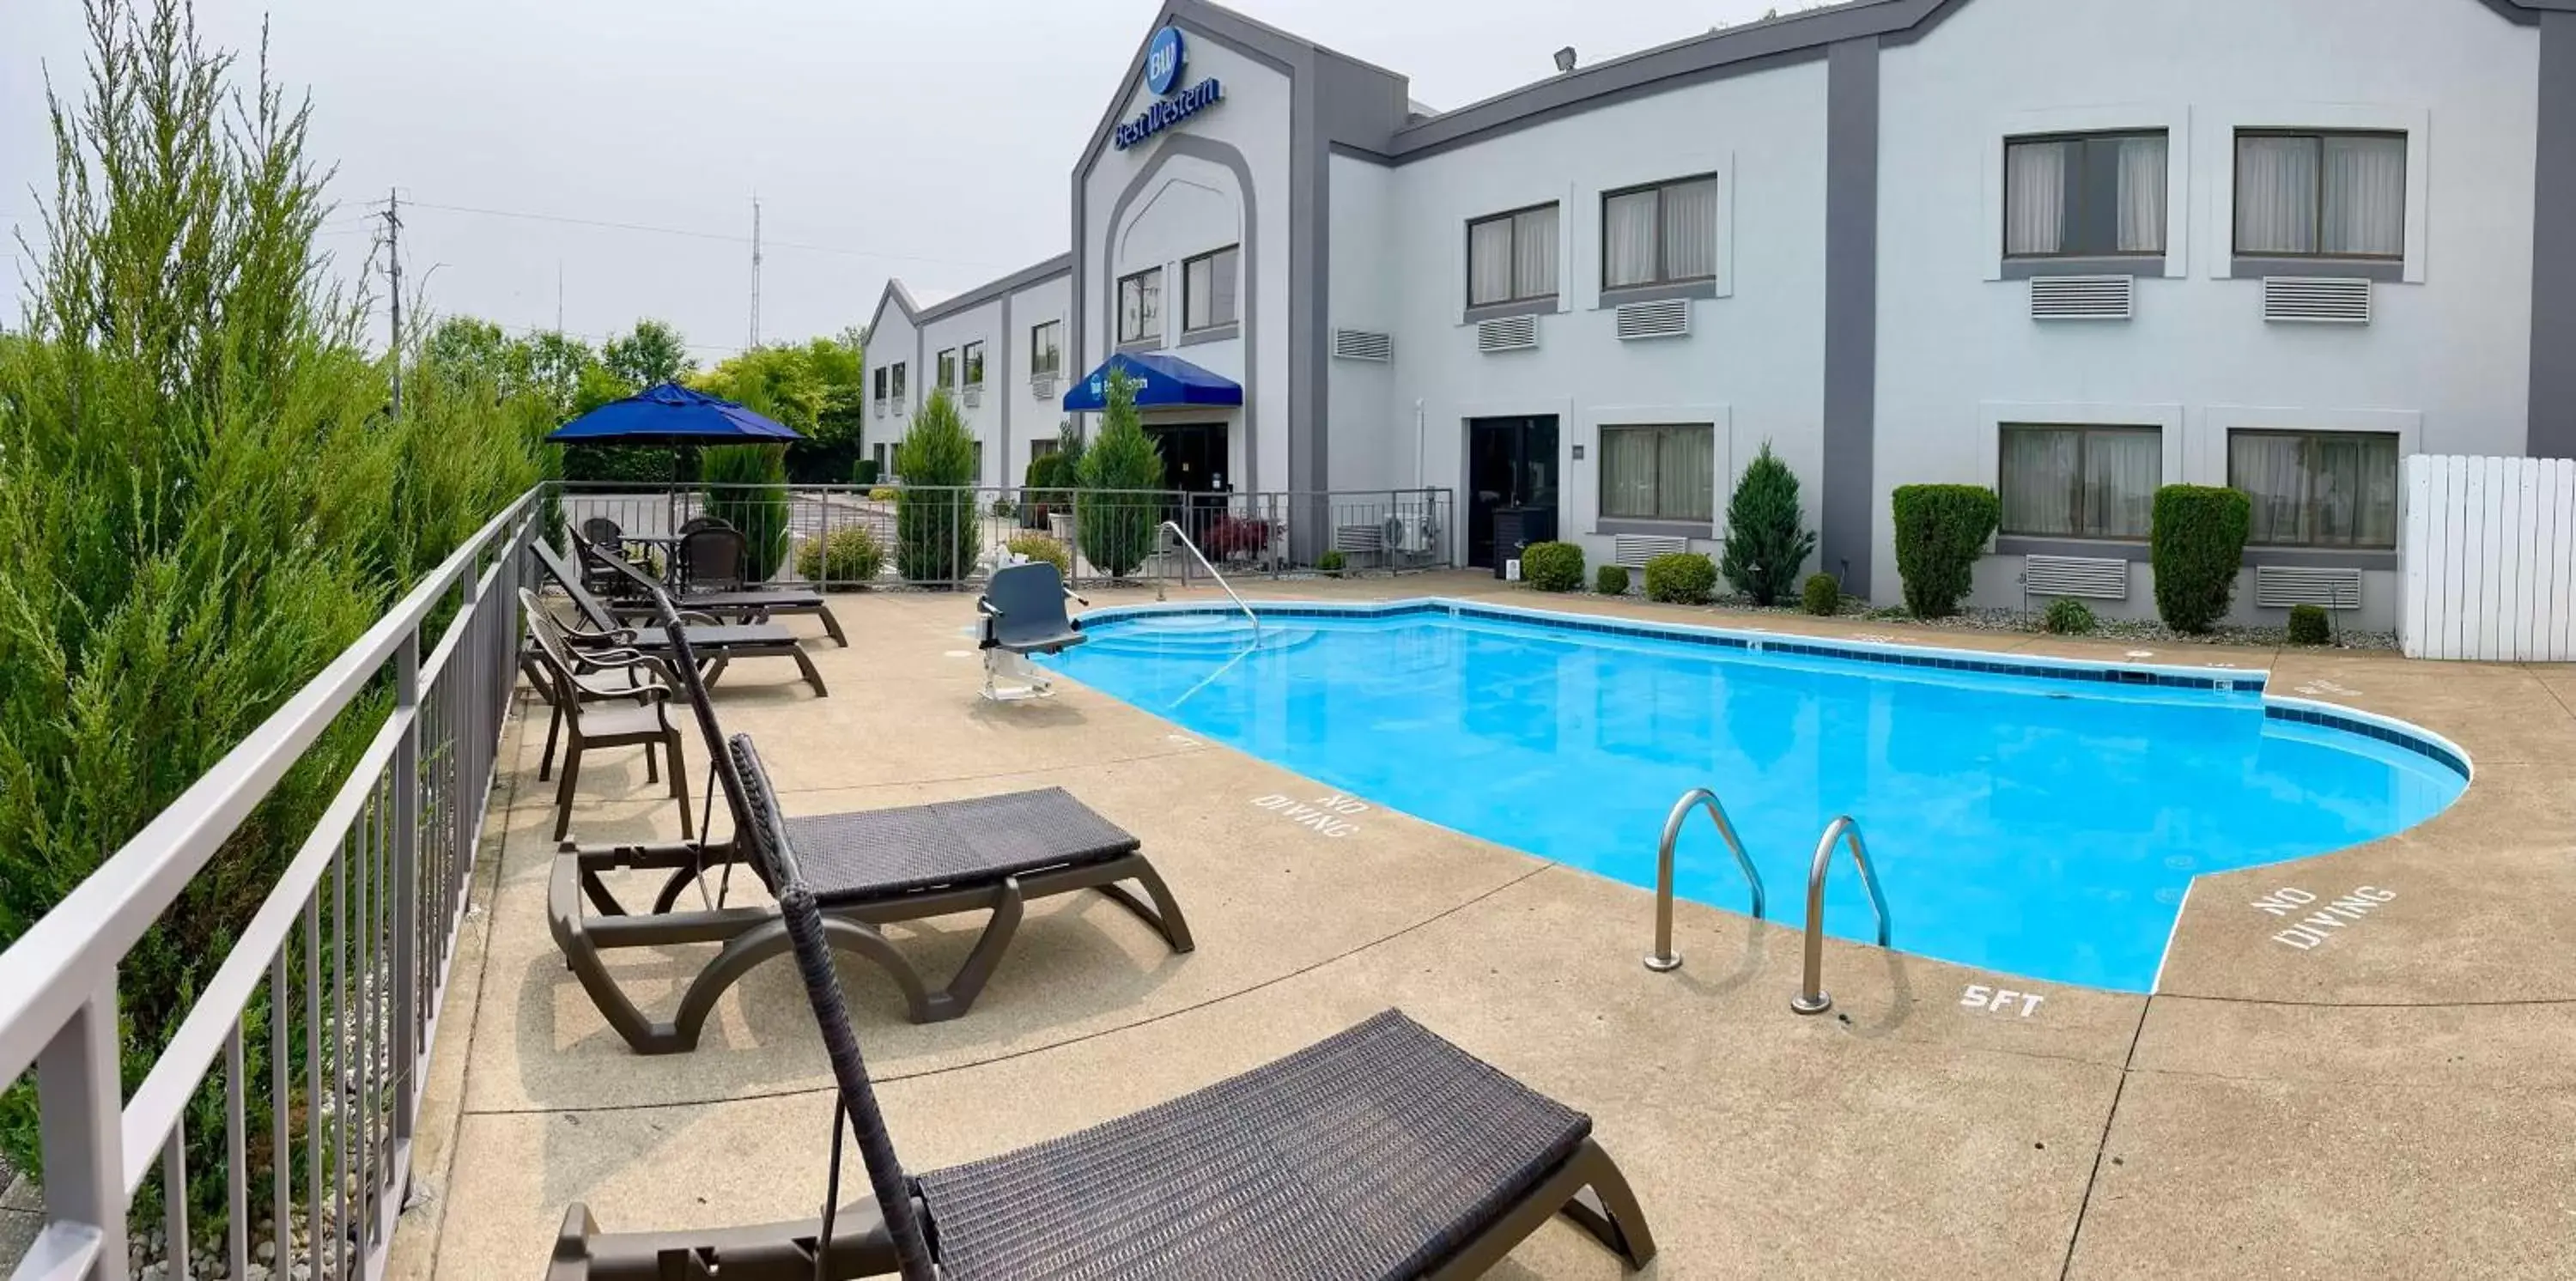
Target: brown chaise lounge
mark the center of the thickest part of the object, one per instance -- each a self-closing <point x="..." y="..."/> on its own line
<point x="986" y="854"/>
<point x="1381" y="1152"/>
<point x="723" y="546"/>
<point x="716" y="643"/>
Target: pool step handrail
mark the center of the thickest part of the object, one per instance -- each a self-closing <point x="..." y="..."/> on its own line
<point x="1201" y="557"/>
<point x="1664" y="959"/>
<point x="1812" y="997"/>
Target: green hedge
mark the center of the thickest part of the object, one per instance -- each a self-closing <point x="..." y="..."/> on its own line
<point x="1681" y="578"/>
<point x="1940" y="532"/>
<point x="1552" y="567"/>
<point x="848" y="558"/>
<point x="1610" y="580"/>
<point x="1822" y="596"/>
<point x="2309" y="625"/>
<point x="2198" y="544"/>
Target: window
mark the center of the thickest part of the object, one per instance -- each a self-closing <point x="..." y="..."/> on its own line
<point x="2080" y="482"/>
<point x="1659" y="235"/>
<point x="2327" y="195"/>
<point x="2317" y="489"/>
<point x="897" y="370"/>
<point x="1659" y="473"/>
<point x="885" y="463"/>
<point x="1046" y="349"/>
<point x="881" y="382"/>
<point x="1140" y="306"/>
<point x="1208" y="284"/>
<point x="974" y="364"/>
<point x="948" y="368"/>
<point x="1512" y="257"/>
<point x="2084" y="195"/>
<point x="1043" y="446"/>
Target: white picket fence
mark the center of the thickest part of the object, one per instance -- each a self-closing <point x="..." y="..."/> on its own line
<point x="2488" y="559"/>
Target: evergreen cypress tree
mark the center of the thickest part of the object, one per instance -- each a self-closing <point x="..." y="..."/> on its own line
<point x="1765" y="545"/>
<point x="1115" y="515"/>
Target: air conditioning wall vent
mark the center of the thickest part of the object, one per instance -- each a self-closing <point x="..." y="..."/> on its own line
<point x="1363" y="344"/>
<point x="2082" y="297"/>
<point x="1507" y="333"/>
<point x="2316" y="300"/>
<point x="1662" y="318"/>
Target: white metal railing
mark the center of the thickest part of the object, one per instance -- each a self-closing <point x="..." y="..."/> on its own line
<point x="1664" y="959"/>
<point x="1228" y="588"/>
<point x="352" y="943"/>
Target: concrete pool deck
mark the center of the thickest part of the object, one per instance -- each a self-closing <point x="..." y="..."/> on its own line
<point x="2397" y="1101"/>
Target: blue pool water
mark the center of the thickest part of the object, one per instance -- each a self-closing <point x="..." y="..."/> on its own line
<point x="2033" y="825"/>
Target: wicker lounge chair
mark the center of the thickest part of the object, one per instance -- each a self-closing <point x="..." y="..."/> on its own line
<point x="715" y="643"/>
<point x="1381" y="1152"/>
<point x="709" y="564"/>
<point x="868" y="868"/>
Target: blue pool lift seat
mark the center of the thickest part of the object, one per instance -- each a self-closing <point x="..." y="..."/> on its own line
<point x="1023" y="614"/>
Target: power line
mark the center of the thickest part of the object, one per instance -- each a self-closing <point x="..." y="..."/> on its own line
<point x="727" y="237"/>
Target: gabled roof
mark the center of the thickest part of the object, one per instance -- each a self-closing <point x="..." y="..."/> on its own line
<point x="902" y="298"/>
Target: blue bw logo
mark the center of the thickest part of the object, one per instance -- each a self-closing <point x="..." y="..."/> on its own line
<point x="1163" y="60"/>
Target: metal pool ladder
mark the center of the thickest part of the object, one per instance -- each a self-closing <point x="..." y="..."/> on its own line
<point x="1664" y="959"/>
<point x="1812" y="998"/>
<point x="1201" y="558"/>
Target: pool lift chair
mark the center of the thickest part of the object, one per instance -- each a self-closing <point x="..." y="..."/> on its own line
<point x="1023" y="613"/>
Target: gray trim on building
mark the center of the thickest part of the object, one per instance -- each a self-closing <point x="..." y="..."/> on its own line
<point x="2144" y="266"/>
<point x="2245" y="267"/>
<point x="1547" y="306"/>
<point x="1699" y="529"/>
<point x="1656" y="293"/>
<point x="1850" y="500"/>
<point x="2322" y="557"/>
<point x="2550" y="431"/>
<point x="990" y="290"/>
<point x="1010" y="387"/>
<point x="1199" y="147"/>
<point x="1213" y="333"/>
<point x="2098" y="549"/>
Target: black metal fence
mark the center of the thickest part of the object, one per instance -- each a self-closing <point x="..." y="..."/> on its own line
<point x="851" y="536"/>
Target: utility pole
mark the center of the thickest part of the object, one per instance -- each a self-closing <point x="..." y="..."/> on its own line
<point x="558" y="297"/>
<point x="393" y="244"/>
<point x="755" y="271"/>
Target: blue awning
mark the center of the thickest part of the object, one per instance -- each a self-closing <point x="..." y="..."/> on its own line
<point x="1161" y="380"/>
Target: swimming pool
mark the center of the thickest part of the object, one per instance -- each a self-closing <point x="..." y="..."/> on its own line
<point x="2036" y="818"/>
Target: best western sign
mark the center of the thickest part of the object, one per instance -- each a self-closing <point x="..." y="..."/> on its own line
<point x="1163" y="61"/>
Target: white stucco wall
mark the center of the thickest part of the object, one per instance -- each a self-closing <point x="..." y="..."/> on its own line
<point x="979" y="323"/>
<point x="1035" y="417"/>
<point x="2444" y="360"/>
<point x="892" y="341"/>
<point x="1753" y="362"/>
<point x="1191" y="205"/>
<point x="1371" y="434"/>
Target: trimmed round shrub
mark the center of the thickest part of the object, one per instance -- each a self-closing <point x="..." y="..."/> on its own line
<point x="1941" y="530"/>
<point x="2308" y="625"/>
<point x="1611" y="580"/>
<point x="848" y="557"/>
<point x="1765" y="543"/>
<point x="1822" y="596"/>
<point x="1330" y="564"/>
<point x="1552" y="567"/>
<point x="2068" y="617"/>
<point x="1681" y="578"/>
<point x="2198" y="543"/>
<point x="1042" y="547"/>
<point x="884" y="494"/>
<point x="863" y="472"/>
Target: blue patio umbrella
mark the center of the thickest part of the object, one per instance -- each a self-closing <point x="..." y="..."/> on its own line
<point x="668" y="413"/>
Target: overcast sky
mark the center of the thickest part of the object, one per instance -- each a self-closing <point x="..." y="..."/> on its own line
<point x="928" y="139"/>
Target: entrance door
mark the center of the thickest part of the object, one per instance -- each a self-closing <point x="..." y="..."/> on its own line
<point x="1194" y="463"/>
<point x="1511" y="462"/>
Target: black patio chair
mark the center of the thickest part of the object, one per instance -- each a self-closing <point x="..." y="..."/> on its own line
<point x="1381" y="1152"/>
<point x="717" y="643"/>
<point x="869" y="868"/>
<point x="708" y="580"/>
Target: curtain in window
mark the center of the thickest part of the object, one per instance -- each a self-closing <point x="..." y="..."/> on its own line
<point x="1628" y="472"/>
<point x="1690" y="229"/>
<point x="1534" y="253"/>
<point x="2142" y="195"/>
<point x="2353" y="490"/>
<point x="2038" y="480"/>
<point x="2271" y="470"/>
<point x="2121" y="472"/>
<point x="1198" y="293"/>
<point x="2365" y="196"/>
<point x="2035" y="197"/>
<point x="2276" y="195"/>
<point x="1222" y="291"/>
<point x="1489" y="262"/>
<point x="1659" y="473"/>
<point x="1628" y="240"/>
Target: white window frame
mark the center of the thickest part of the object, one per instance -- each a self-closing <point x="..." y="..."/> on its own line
<point x="1152" y="333"/>
<point x="1510" y="218"/>
<point x="1601" y="242"/>
<point x="1210" y="257"/>
<point x="1579" y="479"/>
<point x="2219" y="126"/>
<point x="2174" y="118"/>
<point x="2177" y="467"/>
<point x="2075" y="482"/>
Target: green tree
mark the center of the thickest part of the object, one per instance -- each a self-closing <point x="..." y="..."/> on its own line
<point x="650" y="353"/>
<point x="937" y="528"/>
<point x="1114" y="514"/>
<point x="816" y="387"/>
<point x="747" y="489"/>
<point x="204" y="502"/>
<point x="1766" y="545"/>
